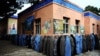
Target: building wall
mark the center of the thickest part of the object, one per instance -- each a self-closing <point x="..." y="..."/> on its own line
<point x="98" y="21"/>
<point x="53" y="11"/>
<point x="50" y="12"/>
<point x="45" y="13"/>
<point x="3" y="26"/>
<point x="87" y="25"/>
<point x="60" y="11"/>
<point x="89" y="21"/>
<point x="93" y="21"/>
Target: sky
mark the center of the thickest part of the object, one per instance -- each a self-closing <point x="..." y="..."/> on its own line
<point x="23" y="8"/>
<point x="84" y="3"/>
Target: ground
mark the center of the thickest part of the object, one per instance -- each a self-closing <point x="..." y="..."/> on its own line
<point x="7" y="49"/>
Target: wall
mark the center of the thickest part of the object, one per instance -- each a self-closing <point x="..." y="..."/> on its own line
<point x="88" y="25"/>
<point x="98" y="21"/>
<point x="60" y="11"/>
<point x="93" y="21"/>
<point x="44" y="13"/>
<point x="3" y="26"/>
<point x="55" y="10"/>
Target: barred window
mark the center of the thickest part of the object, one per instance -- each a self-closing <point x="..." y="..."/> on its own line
<point x="77" y="26"/>
<point x="65" y="25"/>
<point x="97" y="28"/>
<point x="93" y="28"/>
<point x="38" y="26"/>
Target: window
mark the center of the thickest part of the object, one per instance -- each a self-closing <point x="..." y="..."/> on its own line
<point x="93" y="27"/>
<point x="65" y="25"/>
<point x="77" y="26"/>
<point x="38" y="26"/>
<point x="97" y="28"/>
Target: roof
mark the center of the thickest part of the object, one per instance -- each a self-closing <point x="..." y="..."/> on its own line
<point x="91" y="14"/>
<point x="46" y="2"/>
<point x="14" y="16"/>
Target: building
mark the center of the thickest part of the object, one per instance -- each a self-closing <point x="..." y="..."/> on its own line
<point x="8" y="26"/>
<point x="92" y="23"/>
<point x="56" y="17"/>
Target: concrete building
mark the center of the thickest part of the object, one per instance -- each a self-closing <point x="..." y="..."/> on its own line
<point x="92" y="23"/>
<point x="57" y="17"/>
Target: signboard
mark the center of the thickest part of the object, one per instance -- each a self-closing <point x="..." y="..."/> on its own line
<point x="82" y="29"/>
<point x="28" y="24"/>
<point x="46" y="27"/>
<point x="12" y="26"/>
<point x="58" y="26"/>
<point x="72" y="29"/>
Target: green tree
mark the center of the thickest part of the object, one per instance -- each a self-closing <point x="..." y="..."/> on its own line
<point x="93" y="9"/>
<point x="9" y="7"/>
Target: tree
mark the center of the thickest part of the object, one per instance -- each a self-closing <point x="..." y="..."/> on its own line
<point x="99" y="11"/>
<point x="9" y="7"/>
<point x="93" y="9"/>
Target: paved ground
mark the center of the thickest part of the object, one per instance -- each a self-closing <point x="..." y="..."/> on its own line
<point x="93" y="53"/>
<point x="7" y="49"/>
